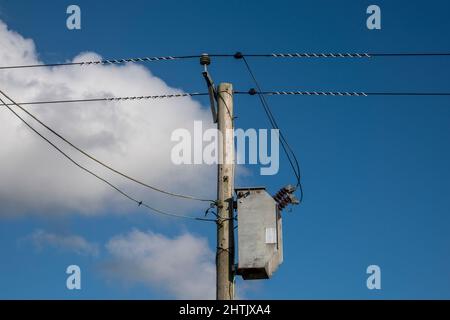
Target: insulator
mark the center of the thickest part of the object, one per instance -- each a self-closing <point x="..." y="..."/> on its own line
<point x="279" y="196"/>
<point x="293" y="199"/>
<point x="282" y="197"/>
<point x="289" y="188"/>
<point x="205" y="59"/>
<point x="283" y="204"/>
<point x="285" y="196"/>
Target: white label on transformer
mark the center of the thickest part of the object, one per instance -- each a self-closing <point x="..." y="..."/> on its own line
<point x="271" y="235"/>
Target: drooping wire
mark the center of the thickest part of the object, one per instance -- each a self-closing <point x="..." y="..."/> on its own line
<point x="292" y="158"/>
<point x="98" y="161"/>
<point x="123" y="193"/>
<point x="274" y="124"/>
<point x="270" y="114"/>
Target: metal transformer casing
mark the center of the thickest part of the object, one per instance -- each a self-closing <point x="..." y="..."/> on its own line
<point x="260" y="242"/>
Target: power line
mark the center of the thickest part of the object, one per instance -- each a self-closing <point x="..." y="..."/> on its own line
<point x="259" y="92"/>
<point x="341" y="93"/>
<point x="139" y="203"/>
<point x="99" y="62"/>
<point x="238" y="55"/>
<point x="285" y="145"/>
<point x="249" y="92"/>
<point x="110" y="61"/>
<point x="114" y="99"/>
<point x="227" y="55"/>
<point x="98" y="161"/>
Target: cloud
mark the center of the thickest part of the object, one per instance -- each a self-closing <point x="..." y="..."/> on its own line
<point x="181" y="266"/>
<point x="131" y="136"/>
<point x="67" y="243"/>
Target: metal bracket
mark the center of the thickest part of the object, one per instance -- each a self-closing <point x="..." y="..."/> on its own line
<point x="212" y="94"/>
<point x="205" y="60"/>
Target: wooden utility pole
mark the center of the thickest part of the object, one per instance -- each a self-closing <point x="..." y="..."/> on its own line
<point x="225" y="187"/>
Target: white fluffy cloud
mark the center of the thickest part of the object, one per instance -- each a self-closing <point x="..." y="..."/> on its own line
<point x="131" y="136"/>
<point x="68" y="243"/>
<point x="183" y="266"/>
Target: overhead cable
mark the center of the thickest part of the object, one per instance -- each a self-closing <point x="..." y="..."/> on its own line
<point x="123" y="193"/>
<point x="97" y="160"/>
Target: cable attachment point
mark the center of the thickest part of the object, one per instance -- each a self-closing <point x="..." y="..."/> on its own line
<point x="238" y="55"/>
<point x="252" y="91"/>
<point x="205" y="60"/>
<point x="219" y="204"/>
<point x="210" y="209"/>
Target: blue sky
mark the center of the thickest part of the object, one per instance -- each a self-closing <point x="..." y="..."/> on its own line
<point x="375" y="169"/>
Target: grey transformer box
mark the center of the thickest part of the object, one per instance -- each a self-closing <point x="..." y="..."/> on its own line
<point x="260" y="242"/>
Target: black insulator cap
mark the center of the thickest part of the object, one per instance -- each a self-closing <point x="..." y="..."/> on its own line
<point x="252" y="91"/>
<point x="238" y="55"/>
<point x="205" y="59"/>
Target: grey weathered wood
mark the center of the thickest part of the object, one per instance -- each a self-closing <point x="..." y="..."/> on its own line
<point x="225" y="225"/>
